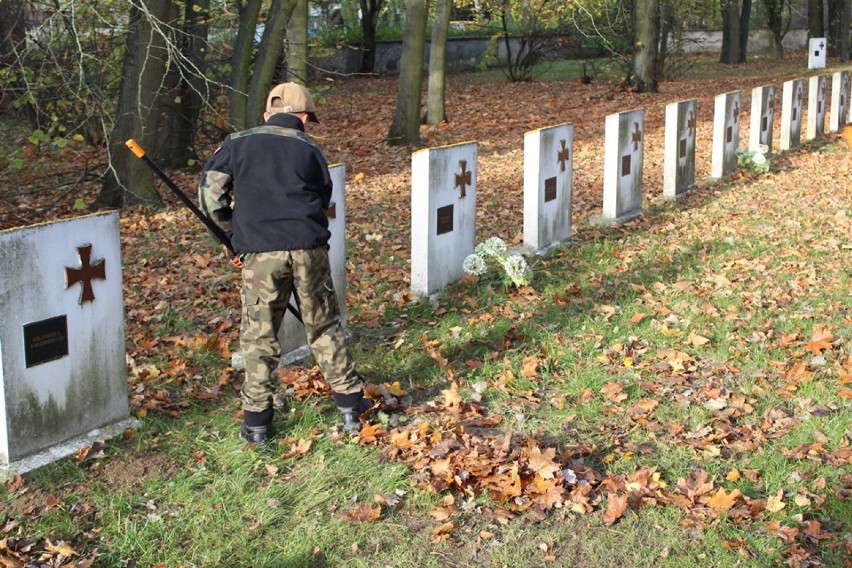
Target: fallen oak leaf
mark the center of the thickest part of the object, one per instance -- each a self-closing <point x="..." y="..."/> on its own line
<point x="722" y="501"/>
<point x="615" y="507"/>
<point x="363" y="513"/>
<point x="775" y="503"/>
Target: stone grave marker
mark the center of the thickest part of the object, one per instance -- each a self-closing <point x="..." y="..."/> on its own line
<point x="624" y="150"/>
<point x="762" y="117"/>
<point x="839" y="101"/>
<point x="791" y="114"/>
<point x="726" y="134"/>
<point x="443" y="214"/>
<point x="292" y="333"/>
<point x="63" y="373"/>
<point x="817" y="103"/>
<point x="679" y="160"/>
<point x="817" y="48"/>
<point x="548" y="170"/>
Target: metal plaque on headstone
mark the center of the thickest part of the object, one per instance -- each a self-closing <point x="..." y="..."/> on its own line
<point x="45" y="340"/>
<point x="444" y="221"/>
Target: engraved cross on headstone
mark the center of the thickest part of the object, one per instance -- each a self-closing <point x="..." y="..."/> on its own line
<point x="690" y="123"/>
<point x="821" y="44"/>
<point x="563" y="155"/>
<point x="636" y="137"/>
<point x="463" y="179"/>
<point x="85" y="274"/>
<point x="771" y="104"/>
<point x="736" y="112"/>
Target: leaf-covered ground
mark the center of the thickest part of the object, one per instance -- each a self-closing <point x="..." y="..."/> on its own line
<point x="698" y="360"/>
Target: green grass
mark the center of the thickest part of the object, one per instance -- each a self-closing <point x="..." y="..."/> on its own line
<point x="614" y="307"/>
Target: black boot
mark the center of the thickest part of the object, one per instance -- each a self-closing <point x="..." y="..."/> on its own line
<point x="351" y="406"/>
<point x="256" y="427"/>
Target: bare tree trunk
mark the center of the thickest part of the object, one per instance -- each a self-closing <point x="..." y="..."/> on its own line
<point x="845" y="48"/>
<point x="435" y="109"/>
<point x="745" y="19"/>
<point x="405" y="128"/>
<point x="12" y="29"/>
<point x="241" y="60"/>
<point x="730" y="32"/>
<point x="186" y="89"/>
<point x="369" y="21"/>
<point x="297" y="44"/>
<point x="646" y="25"/>
<point x="128" y="180"/>
<point x="816" y="28"/>
<point x="775" y="21"/>
<point x="268" y="55"/>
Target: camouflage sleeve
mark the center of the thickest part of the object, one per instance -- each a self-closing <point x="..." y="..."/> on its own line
<point x="214" y="191"/>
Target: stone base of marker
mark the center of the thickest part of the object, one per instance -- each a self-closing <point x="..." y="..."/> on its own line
<point x="66" y="448"/>
<point x="603" y="221"/>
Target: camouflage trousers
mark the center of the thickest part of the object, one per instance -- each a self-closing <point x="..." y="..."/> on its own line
<point x="269" y="279"/>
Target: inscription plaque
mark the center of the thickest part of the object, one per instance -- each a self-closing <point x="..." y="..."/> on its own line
<point x="764" y="124"/>
<point x="45" y="340"/>
<point x="729" y="134"/>
<point x="682" y="148"/>
<point x="625" y="165"/>
<point x="549" y="189"/>
<point x="445" y="219"/>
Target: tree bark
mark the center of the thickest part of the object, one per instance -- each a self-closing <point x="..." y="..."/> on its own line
<point x="186" y="92"/>
<point x="12" y="30"/>
<point x="435" y="106"/>
<point x="268" y="55"/>
<point x="405" y="128"/>
<point x="128" y="180"/>
<point x="241" y="64"/>
<point x="775" y="22"/>
<point x="731" y="48"/>
<point x="816" y="28"/>
<point x="297" y="44"/>
<point x="646" y="25"/>
<point x="745" y="19"/>
<point x="369" y="21"/>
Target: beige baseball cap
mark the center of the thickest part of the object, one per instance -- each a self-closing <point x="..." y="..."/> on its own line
<point x="292" y="98"/>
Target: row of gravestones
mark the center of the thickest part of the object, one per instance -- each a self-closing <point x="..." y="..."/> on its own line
<point x="63" y="375"/>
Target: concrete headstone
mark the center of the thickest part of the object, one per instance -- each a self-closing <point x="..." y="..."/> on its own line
<point x="679" y="160"/>
<point x="548" y="169"/>
<point x="63" y="372"/>
<point x="791" y="114"/>
<point x="443" y="215"/>
<point x="726" y="134"/>
<point x="762" y="117"/>
<point x="292" y="332"/>
<point x="839" y="101"/>
<point x="817" y="104"/>
<point x="624" y="151"/>
<point x="817" y="48"/>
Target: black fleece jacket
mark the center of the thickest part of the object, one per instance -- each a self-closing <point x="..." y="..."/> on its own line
<point x="269" y="188"/>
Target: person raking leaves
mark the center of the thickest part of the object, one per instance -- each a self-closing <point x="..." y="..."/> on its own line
<point x="268" y="188"/>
